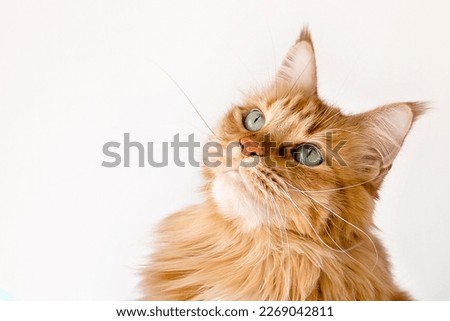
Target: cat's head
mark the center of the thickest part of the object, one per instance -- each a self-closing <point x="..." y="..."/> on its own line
<point x="290" y="160"/>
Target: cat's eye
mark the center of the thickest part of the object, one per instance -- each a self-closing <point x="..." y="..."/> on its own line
<point x="254" y="120"/>
<point x="308" y="154"/>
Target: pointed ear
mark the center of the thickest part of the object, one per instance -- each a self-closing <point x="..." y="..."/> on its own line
<point x="298" y="70"/>
<point x="385" y="129"/>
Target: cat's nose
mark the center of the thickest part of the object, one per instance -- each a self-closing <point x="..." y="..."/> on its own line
<point x="250" y="148"/>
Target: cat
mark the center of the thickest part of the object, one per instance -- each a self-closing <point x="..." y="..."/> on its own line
<point x="293" y="221"/>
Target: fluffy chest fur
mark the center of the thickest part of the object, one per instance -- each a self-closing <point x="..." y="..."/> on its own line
<point x="204" y="257"/>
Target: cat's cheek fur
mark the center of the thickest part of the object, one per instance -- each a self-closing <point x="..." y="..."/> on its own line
<point x="236" y="203"/>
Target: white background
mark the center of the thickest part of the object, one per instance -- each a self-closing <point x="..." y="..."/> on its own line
<point x="77" y="74"/>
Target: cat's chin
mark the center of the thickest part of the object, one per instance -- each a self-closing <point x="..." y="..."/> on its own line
<point x="236" y="201"/>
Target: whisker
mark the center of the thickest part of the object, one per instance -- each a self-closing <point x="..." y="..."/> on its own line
<point x="337" y="188"/>
<point x="274" y="62"/>
<point x="309" y="223"/>
<point x="344" y="220"/>
<point x="284" y="233"/>
<point x="185" y="95"/>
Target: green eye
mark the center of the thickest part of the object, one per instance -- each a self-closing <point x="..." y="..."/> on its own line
<point x="308" y="154"/>
<point x="254" y="120"/>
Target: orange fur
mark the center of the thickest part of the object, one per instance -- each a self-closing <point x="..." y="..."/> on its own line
<point x="277" y="232"/>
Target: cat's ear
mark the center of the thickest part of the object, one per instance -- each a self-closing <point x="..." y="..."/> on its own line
<point x="298" y="70"/>
<point x="385" y="129"/>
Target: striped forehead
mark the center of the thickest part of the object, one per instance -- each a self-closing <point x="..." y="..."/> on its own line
<point x="292" y="120"/>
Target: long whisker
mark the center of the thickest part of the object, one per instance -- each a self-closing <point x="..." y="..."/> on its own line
<point x="185" y="95"/>
<point x="309" y="223"/>
<point x="344" y="220"/>
<point x="332" y="239"/>
<point x="267" y="226"/>
<point x="337" y="188"/>
<point x="284" y="231"/>
<point x="274" y="62"/>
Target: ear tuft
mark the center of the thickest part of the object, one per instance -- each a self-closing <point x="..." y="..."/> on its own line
<point x="305" y="35"/>
<point x="298" y="70"/>
<point x="418" y="108"/>
<point x="388" y="126"/>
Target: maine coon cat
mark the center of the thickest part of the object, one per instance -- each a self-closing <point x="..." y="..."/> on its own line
<point x="288" y="214"/>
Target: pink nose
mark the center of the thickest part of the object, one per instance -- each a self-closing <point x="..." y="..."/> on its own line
<point x="250" y="148"/>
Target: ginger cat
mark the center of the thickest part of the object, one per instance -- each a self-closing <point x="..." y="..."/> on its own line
<point x="293" y="220"/>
